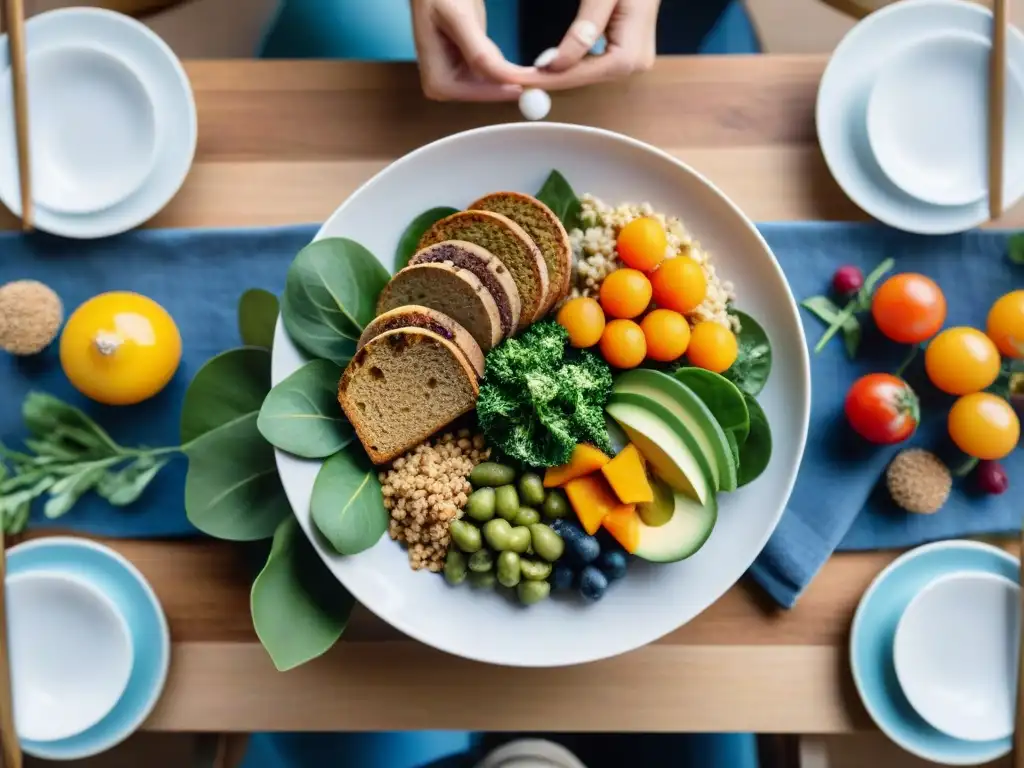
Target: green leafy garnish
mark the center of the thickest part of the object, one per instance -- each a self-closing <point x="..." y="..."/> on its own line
<point x="301" y="415"/>
<point x="257" y="318"/>
<point x="1016" y="248"/>
<point x="347" y="505"/>
<point x="410" y="238"/>
<point x="845" y="319"/>
<point x="558" y="195"/>
<point x="756" y="451"/>
<point x="536" y="403"/>
<point x="753" y="363"/>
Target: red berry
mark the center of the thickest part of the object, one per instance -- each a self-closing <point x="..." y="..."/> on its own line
<point x="991" y="477"/>
<point x="847" y="281"/>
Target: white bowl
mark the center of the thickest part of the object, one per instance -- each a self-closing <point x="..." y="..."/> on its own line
<point x="71" y="654"/>
<point x="653" y="599"/>
<point x="956" y="652"/>
<point x="928" y="119"/>
<point x="92" y="128"/>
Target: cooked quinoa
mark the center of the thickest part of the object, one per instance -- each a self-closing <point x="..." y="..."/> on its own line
<point x="595" y="257"/>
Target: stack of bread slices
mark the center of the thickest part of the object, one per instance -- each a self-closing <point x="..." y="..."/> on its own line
<point x="478" y="277"/>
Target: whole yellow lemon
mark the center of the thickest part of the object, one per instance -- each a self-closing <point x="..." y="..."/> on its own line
<point x="120" y="348"/>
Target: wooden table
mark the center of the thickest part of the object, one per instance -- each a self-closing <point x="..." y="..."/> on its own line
<point x="286" y="142"/>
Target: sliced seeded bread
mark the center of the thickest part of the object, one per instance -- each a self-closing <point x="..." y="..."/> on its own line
<point x="488" y="269"/>
<point x="510" y="243"/>
<point x="456" y="292"/>
<point x="544" y="228"/>
<point x="430" y="320"/>
<point x="402" y="387"/>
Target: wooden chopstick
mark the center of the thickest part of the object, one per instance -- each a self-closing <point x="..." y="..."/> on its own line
<point x="10" y="747"/>
<point x="996" y="108"/>
<point x="14" y="13"/>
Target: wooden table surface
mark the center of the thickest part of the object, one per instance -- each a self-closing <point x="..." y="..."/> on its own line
<point x="286" y="142"/>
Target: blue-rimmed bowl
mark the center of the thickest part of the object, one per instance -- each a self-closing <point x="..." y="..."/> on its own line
<point x="122" y="583"/>
<point x="873" y="634"/>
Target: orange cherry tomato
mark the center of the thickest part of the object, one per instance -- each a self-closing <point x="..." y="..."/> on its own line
<point x="583" y="318"/>
<point x="984" y="426"/>
<point x="625" y="293"/>
<point x="712" y="346"/>
<point x="962" y="360"/>
<point x="667" y="334"/>
<point x="679" y="284"/>
<point x="642" y="243"/>
<point x="909" y="308"/>
<point x="1006" y="324"/>
<point x="623" y="344"/>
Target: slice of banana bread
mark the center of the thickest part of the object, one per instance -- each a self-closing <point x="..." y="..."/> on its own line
<point x="402" y="387"/>
<point x="456" y="292"/>
<point x="544" y="228"/>
<point x="487" y="267"/>
<point x="510" y="243"/>
<point x="413" y="316"/>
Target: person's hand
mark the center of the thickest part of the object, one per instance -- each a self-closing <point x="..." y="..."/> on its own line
<point x="629" y="28"/>
<point x="457" y="60"/>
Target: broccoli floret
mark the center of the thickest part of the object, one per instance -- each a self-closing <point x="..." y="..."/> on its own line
<point x="535" y="406"/>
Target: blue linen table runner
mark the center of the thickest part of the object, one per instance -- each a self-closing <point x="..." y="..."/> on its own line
<point x="198" y="275"/>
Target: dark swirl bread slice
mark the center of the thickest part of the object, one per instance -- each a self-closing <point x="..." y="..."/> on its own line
<point x="413" y="316"/>
<point x="402" y="387"/>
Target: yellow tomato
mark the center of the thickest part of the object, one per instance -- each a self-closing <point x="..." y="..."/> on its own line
<point x="625" y="293"/>
<point x="667" y="334"/>
<point x="1006" y="324"/>
<point x="623" y="344"/>
<point x="583" y="318"/>
<point x="679" y="284"/>
<point x="712" y="346"/>
<point x="960" y="361"/>
<point x="642" y="244"/>
<point x="120" y="348"/>
<point x="984" y="426"/>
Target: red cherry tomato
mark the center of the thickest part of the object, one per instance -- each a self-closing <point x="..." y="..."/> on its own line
<point x="909" y="308"/>
<point x="882" y="408"/>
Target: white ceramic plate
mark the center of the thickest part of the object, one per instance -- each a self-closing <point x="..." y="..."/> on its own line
<point x="653" y="599"/>
<point x="163" y="79"/>
<point x="842" y="106"/>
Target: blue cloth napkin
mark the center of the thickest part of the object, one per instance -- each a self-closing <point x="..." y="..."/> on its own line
<point x="198" y="276"/>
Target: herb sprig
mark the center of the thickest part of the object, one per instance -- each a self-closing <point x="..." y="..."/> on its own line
<point x="845" y="319"/>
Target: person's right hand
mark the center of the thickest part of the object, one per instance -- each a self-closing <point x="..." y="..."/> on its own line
<point x="457" y="60"/>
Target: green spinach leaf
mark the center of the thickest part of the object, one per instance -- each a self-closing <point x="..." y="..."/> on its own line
<point x="347" y="505"/>
<point x="756" y="452"/>
<point x="558" y="195"/>
<point x="230" y="385"/>
<point x="410" y="238"/>
<point x="301" y="415"/>
<point x="1016" y="246"/>
<point x="753" y="364"/>
<point x="723" y="398"/>
<point x="330" y="294"/>
<point x="232" y="490"/>
<point x="299" y="610"/>
<point x="257" y="318"/>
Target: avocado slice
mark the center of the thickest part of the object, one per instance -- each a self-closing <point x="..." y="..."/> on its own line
<point x="684" y="533"/>
<point x="669" y="449"/>
<point x="693" y="416"/>
<point x="723" y="398"/>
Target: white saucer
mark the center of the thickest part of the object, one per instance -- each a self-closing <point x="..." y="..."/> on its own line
<point x="71" y="654"/>
<point x="842" y="105"/>
<point x="955" y="654"/>
<point x="162" y="77"/>
<point x="928" y="119"/>
<point x="93" y="132"/>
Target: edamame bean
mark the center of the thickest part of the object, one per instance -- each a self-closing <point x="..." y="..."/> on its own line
<point x="546" y="542"/>
<point x="482" y="580"/>
<point x="480" y="505"/>
<point x="506" y="502"/>
<point x="491" y="474"/>
<point x="519" y="539"/>
<point x="531" y="592"/>
<point x="531" y="489"/>
<point x="454" y="567"/>
<point x="534" y="570"/>
<point x="465" y="535"/>
<point x="527" y="516"/>
<point x="556" y="506"/>
<point x="508" y="569"/>
<point x="497" y="533"/>
<point x="481" y="561"/>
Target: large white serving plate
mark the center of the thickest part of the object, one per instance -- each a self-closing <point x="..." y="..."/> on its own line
<point x="653" y="599"/>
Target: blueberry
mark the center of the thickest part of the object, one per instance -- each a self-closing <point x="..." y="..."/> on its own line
<point x="608" y="542"/>
<point x="592" y="583"/>
<point x="559" y="526"/>
<point x="612" y="564"/>
<point x="563" y="577"/>
<point x="581" y="548"/>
